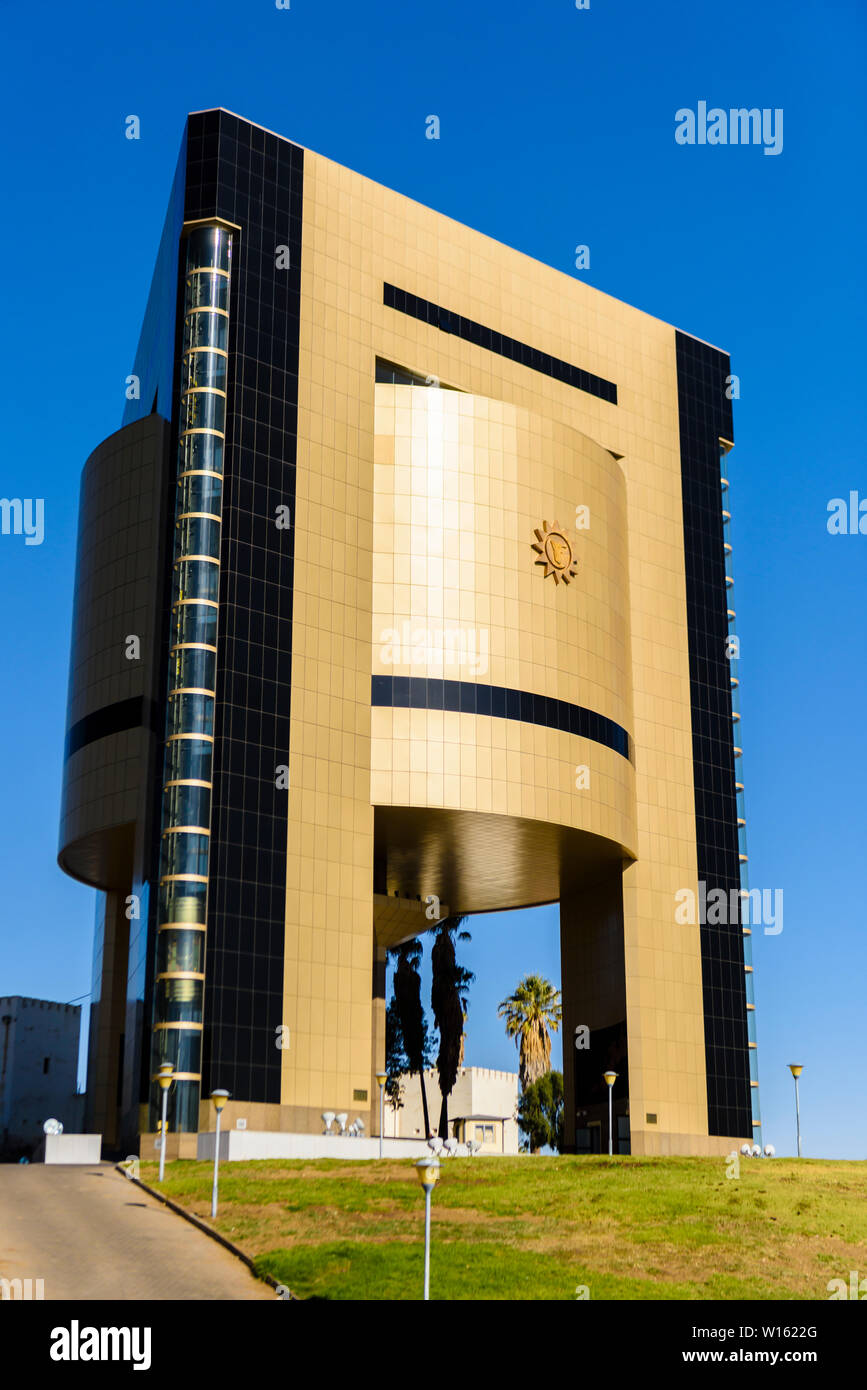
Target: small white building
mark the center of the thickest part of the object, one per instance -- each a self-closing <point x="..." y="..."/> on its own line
<point x="483" y="1107"/>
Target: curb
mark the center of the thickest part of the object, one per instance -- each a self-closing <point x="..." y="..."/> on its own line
<point x="206" y="1229"/>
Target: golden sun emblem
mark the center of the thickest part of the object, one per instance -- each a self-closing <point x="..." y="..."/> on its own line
<point x="555" y="552"/>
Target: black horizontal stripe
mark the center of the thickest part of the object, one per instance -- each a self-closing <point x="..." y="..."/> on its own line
<point x="477" y="333"/>
<point x="134" y="713"/>
<point x="497" y="701"/>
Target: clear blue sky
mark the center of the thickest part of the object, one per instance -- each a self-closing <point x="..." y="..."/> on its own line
<point x="557" y="128"/>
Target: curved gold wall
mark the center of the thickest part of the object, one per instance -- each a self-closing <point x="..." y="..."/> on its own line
<point x="461" y="485"/>
<point x="112" y="703"/>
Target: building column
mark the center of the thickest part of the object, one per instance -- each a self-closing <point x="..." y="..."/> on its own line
<point x="594" y="1007"/>
<point x="107" y="1018"/>
<point x="329" y="951"/>
<point x="377" y="1063"/>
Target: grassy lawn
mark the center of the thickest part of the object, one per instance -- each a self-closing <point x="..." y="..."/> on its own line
<point x="537" y="1228"/>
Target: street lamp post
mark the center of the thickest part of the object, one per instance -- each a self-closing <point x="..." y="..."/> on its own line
<point x="428" y="1170"/>
<point x="381" y="1077"/>
<point x="219" y="1098"/>
<point x="795" y="1068"/>
<point x="610" y="1077"/>
<point x="164" y="1077"/>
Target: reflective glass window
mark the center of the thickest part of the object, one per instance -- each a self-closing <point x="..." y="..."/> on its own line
<point x="188" y="758"/>
<point x="205" y="328"/>
<point x="192" y="668"/>
<point x="201" y="451"/>
<point x="185" y="1115"/>
<point x="186" y="805"/>
<point x="205" y="289"/>
<point x="180" y="950"/>
<point x="209" y="246"/>
<point x="200" y="492"/>
<point x="194" y="622"/>
<point x="196" y="579"/>
<point x="197" y="535"/>
<point x="184" y="852"/>
<point x="203" y="410"/>
<point x="183" y="1048"/>
<point x="190" y="714"/>
<point x="189" y="1047"/>
<point x="182" y="901"/>
<point x="205" y="369"/>
<point x="179" y="1001"/>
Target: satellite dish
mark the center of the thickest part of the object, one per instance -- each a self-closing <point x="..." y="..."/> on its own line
<point x="747" y="1150"/>
<point x="359" y="1125"/>
<point x="52" y="1127"/>
<point x="770" y="1151"/>
<point x="756" y="1151"/>
<point x="328" y="1117"/>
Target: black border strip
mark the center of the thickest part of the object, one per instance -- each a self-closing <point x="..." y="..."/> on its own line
<point x="499" y="702"/>
<point x="705" y="417"/>
<point x="522" y="353"/>
<point x="134" y="713"/>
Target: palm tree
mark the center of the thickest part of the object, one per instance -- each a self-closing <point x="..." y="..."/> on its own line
<point x="530" y="1012"/>
<point x="448" y="998"/>
<point x="410" y="1014"/>
<point x="396" y="1060"/>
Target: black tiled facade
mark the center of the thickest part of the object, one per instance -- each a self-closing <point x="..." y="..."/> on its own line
<point x="705" y="418"/>
<point x="249" y="177"/>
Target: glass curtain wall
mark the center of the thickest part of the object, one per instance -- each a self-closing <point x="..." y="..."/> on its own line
<point x="189" y="747"/>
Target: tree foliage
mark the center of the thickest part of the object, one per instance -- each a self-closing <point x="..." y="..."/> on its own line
<point x="530" y="1013"/>
<point x="396" y="1060"/>
<point x="540" y="1112"/>
<point x="449" y="990"/>
<point x="410" y="1016"/>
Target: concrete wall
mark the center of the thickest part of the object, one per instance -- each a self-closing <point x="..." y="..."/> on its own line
<point x="73" y="1148"/>
<point x="249" y="1144"/>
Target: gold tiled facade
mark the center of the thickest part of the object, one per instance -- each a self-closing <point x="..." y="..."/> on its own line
<point x="419" y="505"/>
<point x="495" y="527"/>
<point x="458" y="593"/>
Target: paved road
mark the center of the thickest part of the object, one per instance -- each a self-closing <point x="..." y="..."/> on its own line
<point x="90" y="1233"/>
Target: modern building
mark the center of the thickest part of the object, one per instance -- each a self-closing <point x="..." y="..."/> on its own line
<point x="483" y="1109"/>
<point x="39" y="1042"/>
<point x="401" y="591"/>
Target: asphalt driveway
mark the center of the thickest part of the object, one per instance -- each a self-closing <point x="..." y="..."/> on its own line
<point x="90" y="1233"/>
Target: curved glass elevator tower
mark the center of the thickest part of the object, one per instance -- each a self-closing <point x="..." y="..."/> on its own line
<point x="187" y="776"/>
